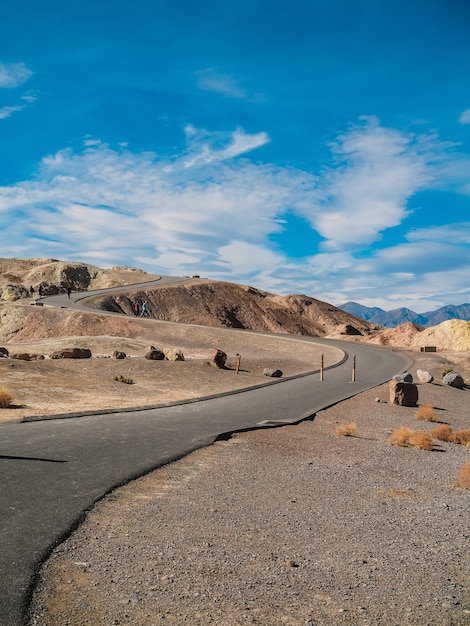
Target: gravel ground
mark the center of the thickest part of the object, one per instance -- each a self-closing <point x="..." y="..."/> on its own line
<point x="289" y="526"/>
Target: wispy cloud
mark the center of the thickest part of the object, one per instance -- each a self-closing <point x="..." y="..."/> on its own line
<point x="208" y="211"/>
<point x="7" y="111"/>
<point x="212" y="80"/>
<point x="13" y="74"/>
<point x="465" y="117"/>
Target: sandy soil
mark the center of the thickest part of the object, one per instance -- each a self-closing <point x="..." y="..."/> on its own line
<point x="289" y="526"/>
<point x="48" y="386"/>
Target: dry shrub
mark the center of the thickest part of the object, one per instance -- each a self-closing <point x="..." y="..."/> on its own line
<point x="409" y="438"/>
<point x="443" y="433"/>
<point x="421" y="440"/>
<point x="461" y="436"/>
<point x="426" y="413"/>
<point x="463" y="479"/>
<point x="400" y="436"/>
<point x="346" y="430"/>
<point x="447" y="370"/>
<point x="398" y="493"/>
<point x="6" y="397"/>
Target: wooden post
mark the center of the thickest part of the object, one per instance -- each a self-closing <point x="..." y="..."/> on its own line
<point x="321" y="367"/>
<point x="239" y="358"/>
<point x="354" y="369"/>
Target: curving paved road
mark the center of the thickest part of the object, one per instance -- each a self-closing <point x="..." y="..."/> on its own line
<point x="54" y="470"/>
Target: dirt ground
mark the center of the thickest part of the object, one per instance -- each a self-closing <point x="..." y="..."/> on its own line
<point x="56" y="386"/>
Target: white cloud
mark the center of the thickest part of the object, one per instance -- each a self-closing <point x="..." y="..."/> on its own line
<point x="465" y="117"/>
<point x="378" y="170"/>
<point x="215" y="216"/>
<point x="7" y="111"/>
<point x="211" y="79"/>
<point x="13" y="74"/>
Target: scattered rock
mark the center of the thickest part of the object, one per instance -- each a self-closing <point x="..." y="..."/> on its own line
<point x="454" y="380"/>
<point x="218" y="358"/>
<point x="4" y="352"/>
<point x="424" y="376"/>
<point x="403" y="394"/>
<point x="173" y="354"/>
<point x="72" y="353"/>
<point x="118" y="354"/>
<point x="403" y="378"/>
<point x="154" y="355"/>
<point x="27" y="356"/>
<point x="272" y="373"/>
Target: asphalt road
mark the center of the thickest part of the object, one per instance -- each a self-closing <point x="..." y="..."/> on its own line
<point x="54" y="470"/>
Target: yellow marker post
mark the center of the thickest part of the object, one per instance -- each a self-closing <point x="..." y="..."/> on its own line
<point x="321" y="367"/>
<point x="239" y="358"/>
<point x="354" y="369"/>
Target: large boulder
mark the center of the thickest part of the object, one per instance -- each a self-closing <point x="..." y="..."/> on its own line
<point x="403" y="394"/>
<point x="154" y="355"/>
<point x="72" y="353"/>
<point x="424" y="377"/>
<point x="173" y="354"/>
<point x="403" y="378"/>
<point x="218" y="358"/>
<point x="454" y="380"/>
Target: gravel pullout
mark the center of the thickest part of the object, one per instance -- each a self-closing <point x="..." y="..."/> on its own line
<point x="290" y="526"/>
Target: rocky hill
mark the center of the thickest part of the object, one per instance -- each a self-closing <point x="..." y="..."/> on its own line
<point x="216" y="303"/>
<point x="21" y="278"/>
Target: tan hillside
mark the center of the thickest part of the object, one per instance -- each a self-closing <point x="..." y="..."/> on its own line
<point x="214" y="303"/>
<point x="451" y="335"/>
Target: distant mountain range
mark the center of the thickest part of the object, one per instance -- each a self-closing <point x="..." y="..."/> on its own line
<point x="393" y="318"/>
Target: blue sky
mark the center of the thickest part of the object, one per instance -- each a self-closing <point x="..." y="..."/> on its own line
<point x="303" y="146"/>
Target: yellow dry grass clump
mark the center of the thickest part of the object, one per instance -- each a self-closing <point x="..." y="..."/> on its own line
<point x="346" y="430"/>
<point x="463" y="479"/>
<point x="6" y="397"/>
<point x="443" y="433"/>
<point x="426" y="413"/>
<point x="461" y="436"/>
<point x="409" y="438"/>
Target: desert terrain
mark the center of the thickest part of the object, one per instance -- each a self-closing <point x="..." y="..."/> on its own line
<point x="291" y="526"/>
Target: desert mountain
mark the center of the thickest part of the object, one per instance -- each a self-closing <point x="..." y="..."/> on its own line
<point x="198" y="301"/>
<point x="396" y="317"/>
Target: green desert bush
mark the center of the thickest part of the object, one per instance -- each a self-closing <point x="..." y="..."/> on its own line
<point x="426" y="413"/>
<point x="447" y="370"/>
<point x="6" y="397"/>
<point x="346" y="430"/>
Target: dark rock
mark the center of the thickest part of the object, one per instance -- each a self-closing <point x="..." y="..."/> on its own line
<point x="218" y="358"/>
<point x="4" y="352"/>
<point x="403" y="378"/>
<point x="155" y="355"/>
<point x="72" y="353"/>
<point x="454" y="380"/>
<point x="272" y="373"/>
<point x="403" y="394"/>
<point x="117" y="354"/>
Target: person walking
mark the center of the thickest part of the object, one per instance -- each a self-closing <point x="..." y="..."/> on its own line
<point x="137" y="308"/>
<point x="145" y="310"/>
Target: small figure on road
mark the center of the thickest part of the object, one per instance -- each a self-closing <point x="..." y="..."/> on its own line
<point x="69" y="291"/>
<point x="145" y="310"/>
<point x="137" y="308"/>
